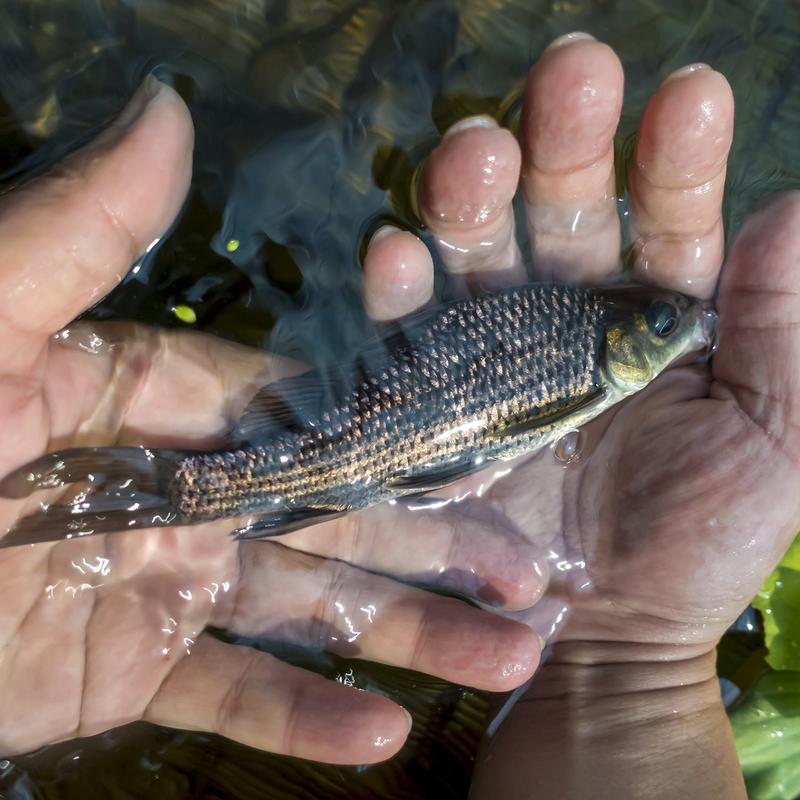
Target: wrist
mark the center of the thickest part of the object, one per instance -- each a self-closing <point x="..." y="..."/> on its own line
<point x="606" y="683"/>
<point x="609" y="668"/>
<point x="611" y="720"/>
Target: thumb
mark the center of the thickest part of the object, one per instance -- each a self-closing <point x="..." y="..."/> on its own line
<point x="758" y="361"/>
<point x="70" y="236"/>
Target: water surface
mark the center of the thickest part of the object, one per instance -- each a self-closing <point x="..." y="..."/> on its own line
<point x="311" y="116"/>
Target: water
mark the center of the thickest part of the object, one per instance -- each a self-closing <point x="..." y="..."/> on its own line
<point x="308" y="137"/>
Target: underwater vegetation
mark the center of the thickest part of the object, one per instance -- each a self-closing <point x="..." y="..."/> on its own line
<point x="765" y="665"/>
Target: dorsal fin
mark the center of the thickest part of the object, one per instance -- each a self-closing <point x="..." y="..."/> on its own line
<point x="289" y="404"/>
<point x="285" y="405"/>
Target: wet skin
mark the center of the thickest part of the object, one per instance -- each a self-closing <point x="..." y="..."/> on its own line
<point x="639" y="502"/>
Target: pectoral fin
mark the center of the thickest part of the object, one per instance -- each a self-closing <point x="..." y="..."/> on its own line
<point x="428" y="479"/>
<point x="547" y="417"/>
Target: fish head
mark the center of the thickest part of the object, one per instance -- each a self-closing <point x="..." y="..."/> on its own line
<point x="646" y="330"/>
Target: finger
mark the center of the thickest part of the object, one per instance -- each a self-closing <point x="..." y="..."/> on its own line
<point x="354" y="613"/>
<point x="677" y="180"/>
<point x="449" y="549"/>
<point x="398" y="274"/>
<point x="70" y="236"/>
<point x="255" y="699"/>
<point x="570" y="113"/>
<point x="758" y="361"/>
<point x="136" y="385"/>
<point x="465" y="197"/>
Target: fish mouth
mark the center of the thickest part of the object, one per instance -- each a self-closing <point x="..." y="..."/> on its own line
<point x="707" y="329"/>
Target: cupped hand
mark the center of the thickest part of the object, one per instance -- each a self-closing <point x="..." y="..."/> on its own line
<point x="676" y="504"/>
<point x="106" y="630"/>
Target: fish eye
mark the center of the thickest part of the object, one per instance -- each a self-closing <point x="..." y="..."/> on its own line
<point x="662" y="318"/>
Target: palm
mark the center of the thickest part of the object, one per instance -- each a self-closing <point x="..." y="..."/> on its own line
<point x="676" y="546"/>
<point x="125" y="612"/>
<point x="701" y="495"/>
<point x="118" y="612"/>
<point x="655" y="521"/>
<point x="665" y="523"/>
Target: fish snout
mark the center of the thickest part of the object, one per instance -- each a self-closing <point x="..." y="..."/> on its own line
<point x="708" y="329"/>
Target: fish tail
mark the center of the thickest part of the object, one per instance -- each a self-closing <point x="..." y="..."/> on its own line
<point x="120" y="488"/>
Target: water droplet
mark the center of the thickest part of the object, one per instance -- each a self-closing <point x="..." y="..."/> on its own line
<point x="568" y="449"/>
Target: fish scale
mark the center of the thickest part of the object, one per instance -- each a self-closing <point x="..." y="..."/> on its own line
<point x="410" y="412"/>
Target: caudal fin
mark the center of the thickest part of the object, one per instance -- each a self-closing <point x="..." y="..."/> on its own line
<point x="121" y="488"/>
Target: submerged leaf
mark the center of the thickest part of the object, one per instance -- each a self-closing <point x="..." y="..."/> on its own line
<point x="779" y="603"/>
<point x="766" y="726"/>
<point x="741" y="658"/>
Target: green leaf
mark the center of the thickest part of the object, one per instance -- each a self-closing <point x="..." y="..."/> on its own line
<point x="779" y="603"/>
<point x="766" y="726"/>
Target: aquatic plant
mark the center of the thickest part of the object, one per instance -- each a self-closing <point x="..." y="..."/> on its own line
<point x="766" y="666"/>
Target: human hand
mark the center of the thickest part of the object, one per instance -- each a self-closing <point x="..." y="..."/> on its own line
<point x="681" y="499"/>
<point x="106" y="630"/>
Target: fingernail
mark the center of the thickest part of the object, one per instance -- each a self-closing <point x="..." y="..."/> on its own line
<point x="687" y="70"/>
<point x="149" y="89"/>
<point x="478" y="121"/>
<point x="152" y="85"/>
<point x="569" y="38"/>
<point x="408" y="718"/>
<point x="383" y="232"/>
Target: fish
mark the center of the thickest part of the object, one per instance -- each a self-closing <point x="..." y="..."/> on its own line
<point x="425" y="402"/>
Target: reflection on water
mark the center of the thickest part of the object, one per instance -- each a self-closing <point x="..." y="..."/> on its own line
<point x="311" y="118"/>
